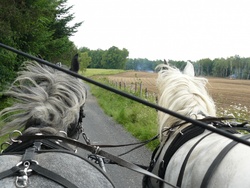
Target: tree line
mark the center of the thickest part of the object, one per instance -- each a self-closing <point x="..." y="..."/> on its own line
<point x="114" y="58"/>
<point x="41" y="28"/>
<point x="233" y="67"/>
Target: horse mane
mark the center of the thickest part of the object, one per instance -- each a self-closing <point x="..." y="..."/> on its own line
<point x="182" y="93"/>
<point x="46" y="100"/>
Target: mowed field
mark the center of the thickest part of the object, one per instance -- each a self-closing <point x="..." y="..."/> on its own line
<point x="224" y="91"/>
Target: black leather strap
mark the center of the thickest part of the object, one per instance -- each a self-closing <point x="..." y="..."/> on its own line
<point x="52" y="176"/>
<point x="95" y="150"/>
<point x="218" y="160"/>
<point x="9" y="172"/>
<point x="29" y="156"/>
<point x="187" y="134"/>
<point x="180" y="178"/>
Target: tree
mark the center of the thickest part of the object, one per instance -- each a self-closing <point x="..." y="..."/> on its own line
<point x="36" y="27"/>
<point x="179" y="64"/>
<point x="84" y="61"/>
<point x="221" y="67"/>
<point x="204" y="67"/>
<point x="114" y="58"/>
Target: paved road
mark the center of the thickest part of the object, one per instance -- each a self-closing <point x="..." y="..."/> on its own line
<point x="102" y="129"/>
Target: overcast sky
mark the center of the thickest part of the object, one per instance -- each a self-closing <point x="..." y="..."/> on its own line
<point x="165" y="29"/>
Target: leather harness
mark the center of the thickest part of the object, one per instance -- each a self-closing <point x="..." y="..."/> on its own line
<point x="93" y="149"/>
<point x="187" y="134"/>
<point x="37" y="147"/>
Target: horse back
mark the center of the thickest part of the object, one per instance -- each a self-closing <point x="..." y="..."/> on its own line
<point x="229" y="172"/>
<point x="79" y="171"/>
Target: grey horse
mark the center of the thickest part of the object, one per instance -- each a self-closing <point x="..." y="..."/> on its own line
<point x="47" y="102"/>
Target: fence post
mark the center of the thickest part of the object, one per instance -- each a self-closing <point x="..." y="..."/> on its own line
<point x="140" y="89"/>
<point x="120" y="85"/>
<point x="146" y="93"/>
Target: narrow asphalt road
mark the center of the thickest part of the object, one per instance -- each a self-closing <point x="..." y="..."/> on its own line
<point x="101" y="129"/>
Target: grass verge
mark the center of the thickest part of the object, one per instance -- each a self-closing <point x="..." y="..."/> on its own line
<point x="138" y="119"/>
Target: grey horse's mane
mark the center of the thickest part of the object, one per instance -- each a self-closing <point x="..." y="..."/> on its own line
<point x="47" y="100"/>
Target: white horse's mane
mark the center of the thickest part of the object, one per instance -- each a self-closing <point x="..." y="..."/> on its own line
<point x="45" y="95"/>
<point x="182" y="93"/>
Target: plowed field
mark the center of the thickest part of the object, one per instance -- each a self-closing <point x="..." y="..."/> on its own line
<point x="225" y="92"/>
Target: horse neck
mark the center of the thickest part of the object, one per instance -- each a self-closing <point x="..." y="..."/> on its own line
<point x="174" y="125"/>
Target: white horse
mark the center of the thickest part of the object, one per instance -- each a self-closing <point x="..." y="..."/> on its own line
<point x="188" y="155"/>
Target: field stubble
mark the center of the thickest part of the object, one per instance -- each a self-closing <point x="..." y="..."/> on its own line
<point x="225" y="92"/>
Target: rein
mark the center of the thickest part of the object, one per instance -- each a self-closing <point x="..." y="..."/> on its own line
<point x="93" y="149"/>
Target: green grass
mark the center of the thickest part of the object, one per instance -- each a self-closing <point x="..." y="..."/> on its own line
<point x="93" y="72"/>
<point x="138" y="119"/>
<point x="5" y="102"/>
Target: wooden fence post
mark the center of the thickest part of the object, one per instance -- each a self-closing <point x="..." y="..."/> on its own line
<point x="120" y="85"/>
<point x="140" y="89"/>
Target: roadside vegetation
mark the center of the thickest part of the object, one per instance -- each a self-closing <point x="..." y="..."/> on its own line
<point x="138" y="119"/>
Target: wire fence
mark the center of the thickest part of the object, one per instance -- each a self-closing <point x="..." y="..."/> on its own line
<point x="135" y="88"/>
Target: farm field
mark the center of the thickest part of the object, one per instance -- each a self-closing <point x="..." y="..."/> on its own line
<point x="224" y="91"/>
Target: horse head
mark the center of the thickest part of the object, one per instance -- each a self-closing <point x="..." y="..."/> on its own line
<point x="48" y="101"/>
<point x="183" y="93"/>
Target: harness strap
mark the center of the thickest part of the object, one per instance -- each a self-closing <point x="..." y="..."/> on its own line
<point x="9" y="172"/>
<point x="98" y="151"/>
<point x="180" y="178"/>
<point x="15" y="147"/>
<point x="131" y="166"/>
<point x="52" y="176"/>
<point x="42" y="171"/>
<point x="29" y="156"/>
<point x="218" y="160"/>
<point x="188" y="133"/>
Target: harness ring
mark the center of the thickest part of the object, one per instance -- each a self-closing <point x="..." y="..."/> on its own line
<point x="14" y="139"/>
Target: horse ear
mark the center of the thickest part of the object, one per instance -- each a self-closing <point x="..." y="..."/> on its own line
<point x="165" y="62"/>
<point x="189" y="69"/>
<point x="75" y="64"/>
